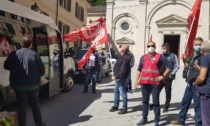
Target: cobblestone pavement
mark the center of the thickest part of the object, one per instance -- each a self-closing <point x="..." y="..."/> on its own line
<point x="77" y="109"/>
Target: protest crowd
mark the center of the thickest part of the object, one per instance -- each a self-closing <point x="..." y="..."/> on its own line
<point x="156" y="70"/>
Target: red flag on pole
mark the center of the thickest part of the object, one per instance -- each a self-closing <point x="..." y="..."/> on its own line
<point x="99" y="39"/>
<point x="87" y="33"/>
<point x="4" y="46"/>
<point x="192" y="19"/>
<point x="150" y="39"/>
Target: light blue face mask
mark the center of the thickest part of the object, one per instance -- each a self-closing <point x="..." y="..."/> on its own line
<point x="197" y="48"/>
<point x="164" y="51"/>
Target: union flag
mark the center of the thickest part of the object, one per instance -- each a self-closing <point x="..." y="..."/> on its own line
<point x="192" y="19"/>
<point x="99" y="39"/>
<point x="4" y="46"/>
<point x="87" y="33"/>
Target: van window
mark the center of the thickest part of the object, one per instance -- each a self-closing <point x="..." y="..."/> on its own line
<point x="41" y="44"/>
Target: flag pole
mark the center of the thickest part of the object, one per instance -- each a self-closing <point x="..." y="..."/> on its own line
<point x="189" y="35"/>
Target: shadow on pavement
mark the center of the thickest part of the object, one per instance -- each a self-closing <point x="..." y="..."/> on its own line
<point x="65" y="109"/>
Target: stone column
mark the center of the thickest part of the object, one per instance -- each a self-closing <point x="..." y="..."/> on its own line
<point x="143" y="28"/>
<point x="109" y="17"/>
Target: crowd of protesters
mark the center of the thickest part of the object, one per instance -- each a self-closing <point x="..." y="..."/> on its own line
<point x="155" y="71"/>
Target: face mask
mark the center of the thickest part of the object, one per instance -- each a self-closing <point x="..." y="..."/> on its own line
<point x="164" y="51"/>
<point x="197" y="48"/>
<point x="151" y="49"/>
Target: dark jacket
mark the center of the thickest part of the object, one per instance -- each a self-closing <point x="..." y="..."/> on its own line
<point x="192" y="73"/>
<point x="25" y="67"/>
<point x="122" y="66"/>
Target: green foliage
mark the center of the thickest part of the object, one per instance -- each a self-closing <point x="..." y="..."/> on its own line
<point x="97" y="2"/>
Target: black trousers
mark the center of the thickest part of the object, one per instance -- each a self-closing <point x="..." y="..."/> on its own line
<point x="167" y="83"/>
<point x="23" y="97"/>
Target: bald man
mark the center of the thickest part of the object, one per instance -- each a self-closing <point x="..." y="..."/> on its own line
<point x="121" y="72"/>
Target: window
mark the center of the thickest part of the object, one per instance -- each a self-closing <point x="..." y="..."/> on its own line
<point x="2" y="13"/>
<point x="16" y="17"/>
<point x="125" y="26"/>
<point x="64" y="29"/>
<point x="23" y="30"/>
<point x="66" y="4"/>
<point x="10" y="28"/>
<point x="79" y="12"/>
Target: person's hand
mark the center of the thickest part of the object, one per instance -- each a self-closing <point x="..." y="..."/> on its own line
<point x="159" y="78"/>
<point x="183" y="57"/>
<point x="110" y="46"/>
<point x="136" y="84"/>
<point x="113" y="78"/>
<point x="197" y="67"/>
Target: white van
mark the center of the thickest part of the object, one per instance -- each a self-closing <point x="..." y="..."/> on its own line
<point x="15" y="22"/>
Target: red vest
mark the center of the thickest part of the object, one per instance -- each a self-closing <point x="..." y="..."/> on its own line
<point x="150" y="70"/>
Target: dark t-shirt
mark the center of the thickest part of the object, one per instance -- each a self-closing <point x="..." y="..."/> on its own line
<point x="162" y="61"/>
<point x="204" y="88"/>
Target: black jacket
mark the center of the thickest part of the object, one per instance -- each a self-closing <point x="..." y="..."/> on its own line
<point x="192" y="73"/>
<point x="25" y="67"/>
<point x="122" y="66"/>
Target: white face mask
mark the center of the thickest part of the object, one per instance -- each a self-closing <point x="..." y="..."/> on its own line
<point x="151" y="49"/>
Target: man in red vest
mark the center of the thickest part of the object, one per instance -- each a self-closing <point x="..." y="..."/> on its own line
<point x="150" y="77"/>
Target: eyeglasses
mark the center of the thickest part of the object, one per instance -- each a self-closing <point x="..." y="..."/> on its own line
<point x="150" y="46"/>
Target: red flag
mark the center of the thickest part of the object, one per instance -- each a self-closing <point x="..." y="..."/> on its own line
<point x="86" y="57"/>
<point x="150" y="39"/>
<point x="101" y="36"/>
<point x="193" y="19"/>
<point x="4" y="46"/>
<point x="87" y="33"/>
<point x="100" y="39"/>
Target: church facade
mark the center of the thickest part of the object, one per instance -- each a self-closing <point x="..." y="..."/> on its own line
<point x="135" y="22"/>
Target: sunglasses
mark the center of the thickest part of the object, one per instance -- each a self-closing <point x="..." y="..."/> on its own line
<point x="150" y="46"/>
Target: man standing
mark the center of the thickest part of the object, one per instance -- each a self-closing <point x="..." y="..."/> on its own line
<point x="203" y="83"/>
<point x="129" y="81"/>
<point x="26" y="68"/>
<point x="190" y="91"/>
<point x="150" y="77"/>
<point x="91" y="71"/>
<point x="121" y="72"/>
<point x="101" y="62"/>
<point x="167" y="81"/>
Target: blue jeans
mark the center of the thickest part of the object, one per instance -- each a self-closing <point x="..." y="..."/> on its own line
<point x="205" y="103"/>
<point x="129" y="82"/>
<point x="154" y="89"/>
<point x="91" y="75"/>
<point x="120" y="88"/>
<point x="189" y="94"/>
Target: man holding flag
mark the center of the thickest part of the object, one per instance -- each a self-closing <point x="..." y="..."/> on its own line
<point x="96" y="33"/>
<point x="192" y="67"/>
<point x="190" y="91"/>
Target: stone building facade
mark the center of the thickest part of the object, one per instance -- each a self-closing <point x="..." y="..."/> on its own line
<point x="134" y="21"/>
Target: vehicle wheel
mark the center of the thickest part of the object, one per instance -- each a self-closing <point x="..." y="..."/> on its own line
<point x="69" y="83"/>
<point x="107" y="74"/>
